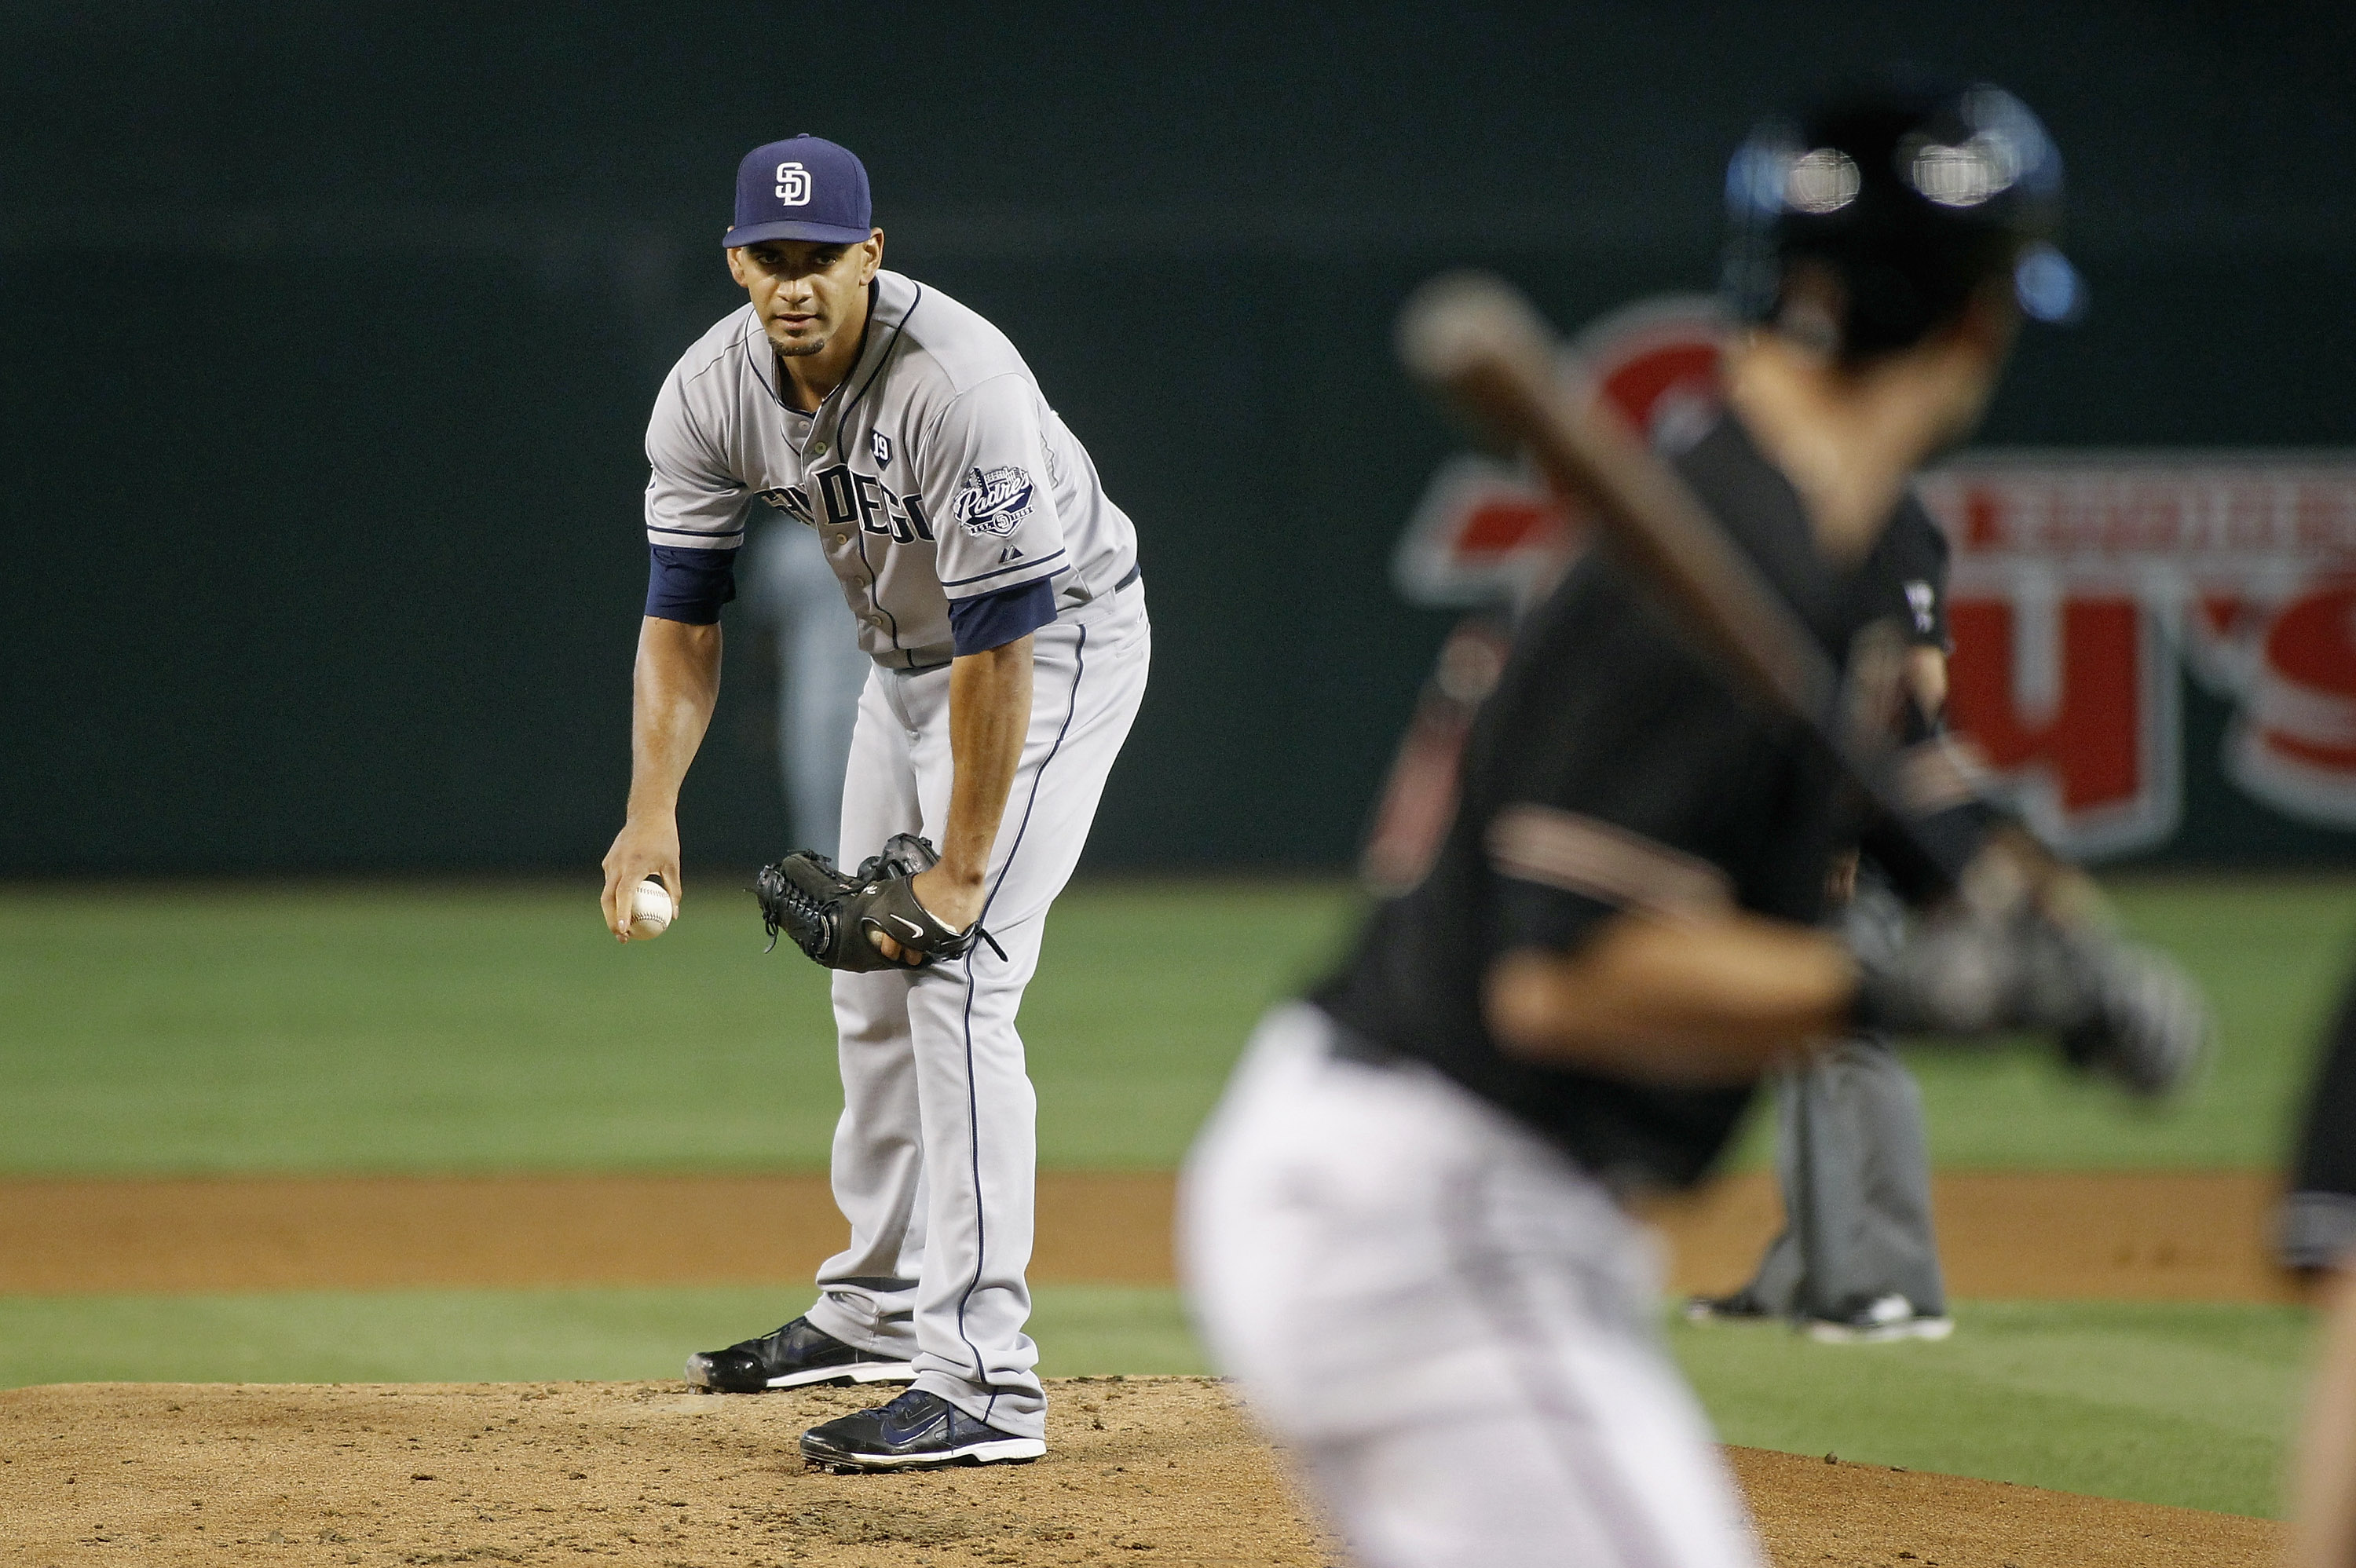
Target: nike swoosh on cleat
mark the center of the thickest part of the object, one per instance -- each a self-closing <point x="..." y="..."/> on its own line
<point x="900" y="1436"/>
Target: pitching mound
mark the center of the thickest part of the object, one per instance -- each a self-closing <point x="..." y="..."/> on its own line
<point x="645" y="1473"/>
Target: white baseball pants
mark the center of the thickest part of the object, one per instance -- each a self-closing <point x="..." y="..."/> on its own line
<point x="934" y="1156"/>
<point x="1449" y="1325"/>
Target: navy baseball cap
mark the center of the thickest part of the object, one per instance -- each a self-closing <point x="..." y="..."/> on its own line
<point x="801" y="188"/>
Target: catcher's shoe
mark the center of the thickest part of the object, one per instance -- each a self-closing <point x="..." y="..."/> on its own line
<point x="918" y="1431"/>
<point x="1878" y="1321"/>
<point x="1739" y="1307"/>
<point x="796" y="1356"/>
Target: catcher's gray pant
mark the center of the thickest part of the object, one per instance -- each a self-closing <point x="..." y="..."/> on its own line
<point x="934" y="1156"/>
<point x="1449" y="1325"/>
<point x="1855" y="1174"/>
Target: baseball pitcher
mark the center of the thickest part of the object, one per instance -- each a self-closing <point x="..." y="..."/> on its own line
<point x="997" y="594"/>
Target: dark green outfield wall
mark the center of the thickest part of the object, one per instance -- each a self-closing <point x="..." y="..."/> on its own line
<point x="328" y="347"/>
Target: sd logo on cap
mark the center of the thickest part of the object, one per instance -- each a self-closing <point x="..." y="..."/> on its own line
<point x="801" y="188"/>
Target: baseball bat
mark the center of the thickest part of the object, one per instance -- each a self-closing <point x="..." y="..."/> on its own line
<point x="1481" y="342"/>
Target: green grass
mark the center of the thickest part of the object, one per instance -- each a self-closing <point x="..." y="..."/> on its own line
<point x="391" y="1027"/>
<point x="480" y="1026"/>
<point x="2188" y="1404"/>
<point x="500" y="1336"/>
<point x="2166" y="1404"/>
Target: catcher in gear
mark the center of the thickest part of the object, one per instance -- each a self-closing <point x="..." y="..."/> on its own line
<point x="867" y="920"/>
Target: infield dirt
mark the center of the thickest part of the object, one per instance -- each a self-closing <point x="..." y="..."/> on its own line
<point x="1140" y="1471"/>
<point x="2006" y="1235"/>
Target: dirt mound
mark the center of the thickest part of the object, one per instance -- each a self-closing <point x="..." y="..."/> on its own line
<point x="2181" y="1236"/>
<point x="1139" y="1470"/>
<point x="645" y="1473"/>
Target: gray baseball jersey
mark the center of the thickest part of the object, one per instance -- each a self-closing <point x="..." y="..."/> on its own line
<point x="937" y="477"/>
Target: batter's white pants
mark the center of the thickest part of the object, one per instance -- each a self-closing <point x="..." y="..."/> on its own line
<point x="1448" y="1324"/>
<point x="934" y="1155"/>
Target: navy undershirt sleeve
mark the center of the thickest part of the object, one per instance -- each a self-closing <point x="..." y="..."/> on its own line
<point x="989" y="621"/>
<point x="689" y="585"/>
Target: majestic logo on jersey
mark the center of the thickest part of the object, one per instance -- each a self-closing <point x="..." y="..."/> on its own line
<point x="793" y="185"/>
<point x="993" y="501"/>
<point x="881" y="444"/>
<point x="838" y="498"/>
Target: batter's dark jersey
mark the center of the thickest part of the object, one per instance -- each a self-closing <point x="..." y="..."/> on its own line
<point x="1613" y="769"/>
<point x="1905" y="576"/>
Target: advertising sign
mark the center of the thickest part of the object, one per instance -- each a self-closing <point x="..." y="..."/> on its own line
<point x="2086" y="582"/>
<point x="2093" y="593"/>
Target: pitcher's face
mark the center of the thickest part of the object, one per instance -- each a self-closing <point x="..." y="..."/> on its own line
<point x="804" y="292"/>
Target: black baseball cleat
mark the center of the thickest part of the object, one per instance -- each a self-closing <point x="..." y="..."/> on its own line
<point x="1739" y="1307"/>
<point x="796" y="1356"/>
<point x="918" y="1431"/>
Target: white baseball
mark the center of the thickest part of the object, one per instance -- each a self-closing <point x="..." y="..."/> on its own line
<point x="650" y="908"/>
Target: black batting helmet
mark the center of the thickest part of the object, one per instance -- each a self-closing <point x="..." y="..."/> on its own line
<point x="1913" y="197"/>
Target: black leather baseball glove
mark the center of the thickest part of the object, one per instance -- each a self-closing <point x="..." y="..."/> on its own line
<point x="829" y="913"/>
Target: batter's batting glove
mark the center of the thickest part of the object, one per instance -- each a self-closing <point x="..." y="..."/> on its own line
<point x="2118" y="1008"/>
<point x="830" y="914"/>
